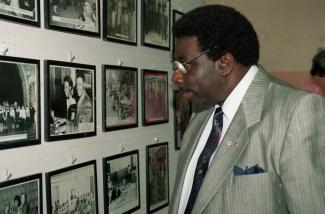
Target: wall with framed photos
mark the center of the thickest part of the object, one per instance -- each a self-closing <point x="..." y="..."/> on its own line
<point x="66" y="73"/>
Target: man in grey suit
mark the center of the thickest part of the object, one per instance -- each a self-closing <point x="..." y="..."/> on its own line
<point x="271" y="154"/>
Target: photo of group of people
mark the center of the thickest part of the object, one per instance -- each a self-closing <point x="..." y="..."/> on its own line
<point x="73" y="190"/>
<point x="121" y="97"/>
<point x="23" y="198"/>
<point x="157" y="172"/>
<point x="121" y="19"/>
<point x="122" y="183"/>
<point x="18" y="102"/>
<point x="156" y="22"/>
<point x="75" y="14"/>
<point x="155" y="97"/>
<point x="24" y="9"/>
<point x="71" y="100"/>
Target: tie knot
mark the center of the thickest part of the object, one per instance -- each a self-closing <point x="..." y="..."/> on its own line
<point x="218" y="111"/>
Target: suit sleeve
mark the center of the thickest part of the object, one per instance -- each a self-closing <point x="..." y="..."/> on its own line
<point x="302" y="160"/>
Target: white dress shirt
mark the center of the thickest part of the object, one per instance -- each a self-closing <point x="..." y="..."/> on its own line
<point x="229" y="109"/>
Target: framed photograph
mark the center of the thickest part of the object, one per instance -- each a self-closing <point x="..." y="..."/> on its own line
<point x="120" y="97"/>
<point x="121" y="183"/>
<point x="120" y="21"/>
<point x="70" y="100"/>
<point x="182" y="115"/>
<point x="72" y="189"/>
<point x="155" y="97"/>
<point x="156" y="24"/>
<point x="157" y="177"/>
<point x="21" y="11"/>
<point x="19" y="102"/>
<point x="74" y="16"/>
<point x="176" y="15"/>
<point x="22" y="195"/>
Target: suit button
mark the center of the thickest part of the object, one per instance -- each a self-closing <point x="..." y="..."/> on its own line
<point x="229" y="143"/>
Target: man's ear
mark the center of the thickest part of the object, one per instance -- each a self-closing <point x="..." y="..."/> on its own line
<point x="225" y="64"/>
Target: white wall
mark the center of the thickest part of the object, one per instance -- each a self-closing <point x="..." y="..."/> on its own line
<point x="40" y="43"/>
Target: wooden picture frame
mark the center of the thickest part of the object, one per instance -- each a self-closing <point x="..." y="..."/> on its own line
<point x="20" y="102"/>
<point x="79" y="17"/>
<point x="120" y="21"/>
<point x="70" y="100"/>
<point x="121" y="183"/>
<point x="155" y="97"/>
<point x="72" y="189"/>
<point x="120" y="97"/>
<point x="23" y="11"/>
<point x="156" y="24"/>
<point x="157" y="177"/>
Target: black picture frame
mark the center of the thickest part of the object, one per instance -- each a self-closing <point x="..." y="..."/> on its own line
<point x="75" y="116"/>
<point x="176" y="15"/>
<point x="121" y="183"/>
<point x="154" y="97"/>
<point x="20" y="102"/>
<point x="26" y="190"/>
<point x="24" y="12"/>
<point x="182" y="114"/>
<point x="79" y="17"/>
<point x="120" y="21"/>
<point x="156" y="24"/>
<point x="72" y="184"/>
<point x="157" y="177"/>
<point x="120" y="97"/>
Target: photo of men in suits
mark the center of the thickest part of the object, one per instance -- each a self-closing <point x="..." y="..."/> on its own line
<point x="254" y="144"/>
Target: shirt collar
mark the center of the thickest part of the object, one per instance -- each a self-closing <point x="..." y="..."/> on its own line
<point x="234" y="99"/>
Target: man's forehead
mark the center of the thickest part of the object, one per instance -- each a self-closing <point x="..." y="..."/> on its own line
<point x="185" y="45"/>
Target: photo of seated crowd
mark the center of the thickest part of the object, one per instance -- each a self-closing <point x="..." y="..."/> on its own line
<point x="71" y="100"/>
<point x="76" y="14"/>
<point x="19" y="8"/>
<point x="20" y="199"/>
<point x="18" y="98"/>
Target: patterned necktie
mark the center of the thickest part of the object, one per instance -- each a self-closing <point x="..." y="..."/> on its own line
<point x="204" y="159"/>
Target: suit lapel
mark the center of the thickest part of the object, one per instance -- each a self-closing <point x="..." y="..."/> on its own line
<point x="235" y="140"/>
<point x="189" y="143"/>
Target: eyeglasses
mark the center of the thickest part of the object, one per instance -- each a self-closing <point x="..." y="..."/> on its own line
<point x="177" y="65"/>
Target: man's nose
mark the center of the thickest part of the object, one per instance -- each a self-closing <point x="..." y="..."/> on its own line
<point x="177" y="77"/>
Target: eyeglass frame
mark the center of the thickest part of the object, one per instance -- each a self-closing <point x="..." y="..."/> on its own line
<point x="177" y="65"/>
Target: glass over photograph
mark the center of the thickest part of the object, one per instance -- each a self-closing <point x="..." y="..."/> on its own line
<point x="24" y="11"/>
<point x="71" y="101"/>
<point x="120" y="21"/>
<point x="121" y="183"/>
<point x="22" y="195"/>
<point x="156" y="23"/>
<point x="79" y="16"/>
<point x="73" y="190"/>
<point x="19" y="102"/>
<point x="120" y="97"/>
<point x="157" y="177"/>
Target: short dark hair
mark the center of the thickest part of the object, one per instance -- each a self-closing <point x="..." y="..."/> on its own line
<point x="318" y="68"/>
<point x="224" y="27"/>
<point x="69" y="80"/>
<point x="81" y="75"/>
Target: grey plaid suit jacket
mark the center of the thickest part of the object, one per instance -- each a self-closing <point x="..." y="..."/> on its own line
<point x="277" y="127"/>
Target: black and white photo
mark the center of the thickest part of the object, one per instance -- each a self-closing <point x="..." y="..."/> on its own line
<point x="72" y="189"/>
<point x="70" y="101"/>
<point x="157" y="177"/>
<point x="121" y="183"/>
<point x="21" y="11"/>
<point x="22" y="195"/>
<point x="120" y="21"/>
<point x="76" y="16"/>
<point x="156" y="23"/>
<point x="120" y="98"/>
<point x="19" y="102"/>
